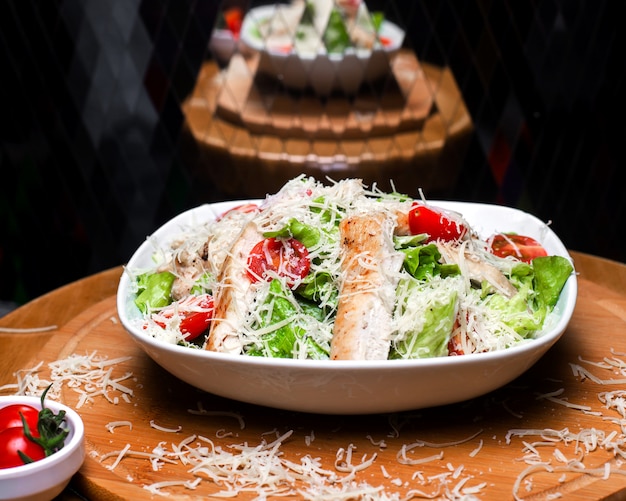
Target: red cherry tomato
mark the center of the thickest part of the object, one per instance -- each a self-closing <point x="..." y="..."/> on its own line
<point x="244" y="208"/>
<point x="454" y="347"/>
<point x="233" y="18"/>
<point x="523" y="248"/>
<point x="10" y="417"/>
<point x="196" y="313"/>
<point x="287" y="258"/>
<point x="438" y="224"/>
<point x="195" y="322"/>
<point x="13" y="440"/>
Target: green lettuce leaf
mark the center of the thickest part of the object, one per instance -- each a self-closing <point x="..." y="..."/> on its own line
<point x="336" y="37"/>
<point x="307" y="235"/>
<point x="438" y="316"/>
<point x="316" y="286"/>
<point x="154" y="291"/>
<point x="422" y="262"/>
<point x="281" y="342"/>
<point x="550" y="275"/>
<point x="539" y="286"/>
<point x="203" y="285"/>
<point x="517" y="312"/>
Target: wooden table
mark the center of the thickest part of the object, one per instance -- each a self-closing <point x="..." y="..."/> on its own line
<point x="85" y="314"/>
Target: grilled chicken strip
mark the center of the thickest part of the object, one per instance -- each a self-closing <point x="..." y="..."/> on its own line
<point x="402" y="223"/>
<point x="477" y="269"/>
<point x="370" y="267"/>
<point x="232" y="295"/>
<point x="188" y="265"/>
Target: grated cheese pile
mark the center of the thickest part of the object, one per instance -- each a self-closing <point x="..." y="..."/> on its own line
<point x="89" y="375"/>
<point x="263" y="470"/>
<point x="584" y="441"/>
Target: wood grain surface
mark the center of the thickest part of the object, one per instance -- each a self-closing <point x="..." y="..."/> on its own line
<point x="85" y="312"/>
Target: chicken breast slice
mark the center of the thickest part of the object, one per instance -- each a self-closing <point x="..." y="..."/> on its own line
<point x="370" y="267"/>
<point x="477" y="269"/>
<point x="233" y="295"/>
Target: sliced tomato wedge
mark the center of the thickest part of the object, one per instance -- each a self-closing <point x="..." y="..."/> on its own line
<point x="522" y="247"/>
<point x="454" y="346"/>
<point x="286" y="257"/>
<point x="233" y="18"/>
<point x="195" y="312"/>
<point x="247" y="208"/>
<point x="437" y="224"/>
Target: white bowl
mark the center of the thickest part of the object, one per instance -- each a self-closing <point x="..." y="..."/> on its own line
<point x="322" y="72"/>
<point x="45" y="479"/>
<point x="352" y="387"/>
<point x="223" y="44"/>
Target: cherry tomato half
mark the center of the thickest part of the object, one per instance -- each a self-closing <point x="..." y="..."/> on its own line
<point x="233" y="18"/>
<point x="10" y="417"/>
<point x="243" y="208"/>
<point x="196" y="313"/>
<point x="523" y="248"/>
<point x="454" y="346"/>
<point x="287" y="258"/>
<point x="13" y="440"/>
<point x="195" y="322"/>
<point x="438" y="224"/>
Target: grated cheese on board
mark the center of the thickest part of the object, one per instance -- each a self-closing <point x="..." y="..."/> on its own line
<point x="263" y="469"/>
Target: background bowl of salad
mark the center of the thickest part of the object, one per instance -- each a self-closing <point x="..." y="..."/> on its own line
<point x="349" y="386"/>
<point x="46" y="477"/>
<point x="334" y="54"/>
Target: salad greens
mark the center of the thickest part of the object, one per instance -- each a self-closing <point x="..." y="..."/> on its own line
<point x="422" y="261"/>
<point x="538" y="287"/>
<point x="154" y="290"/>
<point x="336" y="37"/>
<point x="286" y="313"/>
<point x="308" y="235"/>
<point x="429" y="336"/>
<point x="286" y="324"/>
<point x="443" y="296"/>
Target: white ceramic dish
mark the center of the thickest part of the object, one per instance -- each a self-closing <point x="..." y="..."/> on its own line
<point x="223" y="45"/>
<point x="322" y="72"/>
<point x="45" y="479"/>
<point x="352" y="387"/>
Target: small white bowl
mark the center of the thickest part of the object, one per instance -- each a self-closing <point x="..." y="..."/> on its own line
<point x="45" y="479"/>
<point x="320" y="71"/>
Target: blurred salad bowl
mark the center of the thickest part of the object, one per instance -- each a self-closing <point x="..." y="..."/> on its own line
<point x="351" y="386"/>
<point x="302" y="55"/>
<point x="45" y="478"/>
<point x="224" y="41"/>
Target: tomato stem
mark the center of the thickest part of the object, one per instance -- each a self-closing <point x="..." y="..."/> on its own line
<point x="49" y="425"/>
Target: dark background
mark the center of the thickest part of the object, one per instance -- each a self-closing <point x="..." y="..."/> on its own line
<point x="93" y="157"/>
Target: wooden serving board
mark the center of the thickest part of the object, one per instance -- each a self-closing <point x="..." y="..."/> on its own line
<point x="252" y="137"/>
<point x="399" y="103"/>
<point x="161" y="401"/>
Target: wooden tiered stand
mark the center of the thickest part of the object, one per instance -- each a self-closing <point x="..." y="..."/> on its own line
<point x="409" y="131"/>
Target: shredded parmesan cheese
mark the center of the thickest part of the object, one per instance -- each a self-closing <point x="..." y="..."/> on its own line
<point x="29" y="330"/>
<point x="88" y="375"/>
<point x="265" y="471"/>
<point x="163" y="428"/>
<point x="114" y="424"/>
